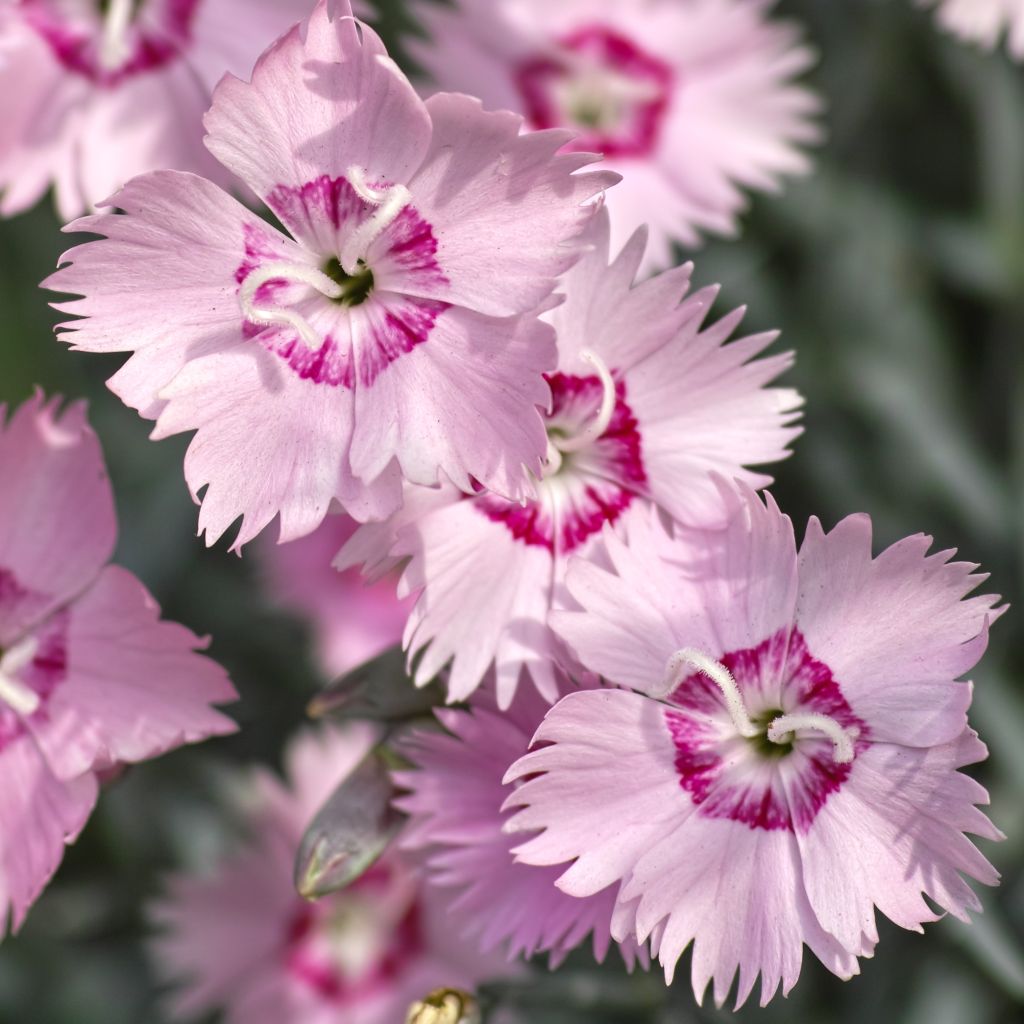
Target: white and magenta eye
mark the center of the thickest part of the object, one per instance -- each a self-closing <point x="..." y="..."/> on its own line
<point x="602" y="85"/>
<point x="108" y="41"/>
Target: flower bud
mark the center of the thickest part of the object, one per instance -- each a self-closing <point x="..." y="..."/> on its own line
<point x="351" y="830"/>
<point x="378" y="691"/>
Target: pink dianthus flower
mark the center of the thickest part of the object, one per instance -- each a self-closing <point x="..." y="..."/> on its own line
<point x="800" y="767"/>
<point x="240" y="937"/>
<point x="89" y="675"/>
<point x="647" y="403"/>
<point x="93" y="92"/>
<point x="454" y="802"/>
<point x="394" y="335"/>
<point x="983" y="21"/>
<point x="692" y="100"/>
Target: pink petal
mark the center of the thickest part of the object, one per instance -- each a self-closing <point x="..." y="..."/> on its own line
<point x="717" y="591"/>
<point x="57" y="521"/>
<point x="498" y="901"/>
<point x="135" y="686"/>
<point x="478" y="384"/>
<point x="896" y="630"/>
<point x="603" y="788"/>
<point x="505" y="206"/>
<point x="267" y="443"/>
<point x="39" y="813"/>
<point x="738" y="896"/>
<point x="895" y="832"/>
<point x="353" y="108"/>
<point x="485" y="602"/>
<point x="163" y="283"/>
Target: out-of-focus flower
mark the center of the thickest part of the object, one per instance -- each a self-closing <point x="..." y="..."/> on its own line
<point x="454" y="802"/>
<point x="692" y="100"/>
<point x="647" y="404"/>
<point x="89" y="675"/>
<point x="802" y="769"/>
<point x="93" y="92"/>
<point x="983" y="21"/>
<point x="396" y="337"/>
<point x="240" y="938"/>
<point x="352" y="620"/>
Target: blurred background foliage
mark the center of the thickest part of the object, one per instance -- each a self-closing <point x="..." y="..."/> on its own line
<point x="897" y="273"/>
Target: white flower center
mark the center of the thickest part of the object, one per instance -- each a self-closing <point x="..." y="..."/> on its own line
<point x="599" y="98"/>
<point x="114" y="48"/>
<point x="389" y="203"/>
<point x="780" y="730"/>
<point x="13" y="691"/>
<point x="559" y="445"/>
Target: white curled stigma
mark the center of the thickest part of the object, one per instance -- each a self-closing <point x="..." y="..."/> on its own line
<point x="780" y="730"/>
<point x="13" y="692"/>
<point x="599" y="424"/>
<point x="390" y="202"/>
<point x="114" y="40"/>
<point x="690" y="658"/>
<point x="295" y="273"/>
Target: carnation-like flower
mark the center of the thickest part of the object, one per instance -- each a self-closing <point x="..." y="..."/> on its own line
<point x="352" y="620"/>
<point x="388" y="338"/>
<point x="89" y="675"/>
<point x="454" y="802"/>
<point x="692" y="100"/>
<point x="800" y="767"/>
<point x="647" y="403"/>
<point x="983" y="21"/>
<point x="93" y="92"/>
<point x="240" y="938"/>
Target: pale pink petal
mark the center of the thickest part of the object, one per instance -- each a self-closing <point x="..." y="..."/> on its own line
<point x="895" y="833"/>
<point x="896" y="630"/>
<point x="41" y="109"/>
<point x="475" y="416"/>
<point x="737" y="895"/>
<point x="57" y="521"/>
<point x="134" y="686"/>
<point x="602" y="793"/>
<point x="497" y="901"/>
<point x="505" y="206"/>
<point x="163" y="283"/>
<point x="717" y="591"/>
<point x="494" y="614"/>
<point x="142" y="131"/>
<point x="267" y="443"/>
<point x="353" y="108"/>
<point x="39" y="813"/>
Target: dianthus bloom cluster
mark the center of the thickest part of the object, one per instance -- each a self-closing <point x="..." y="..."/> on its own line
<point x="676" y="728"/>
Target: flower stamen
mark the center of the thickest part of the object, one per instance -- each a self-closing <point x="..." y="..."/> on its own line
<point x="782" y="728"/>
<point x="389" y="201"/>
<point x="600" y="423"/>
<point x="294" y="273"/>
<point x="114" y="40"/>
<point x="13" y="692"/>
<point x="690" y="658"/>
